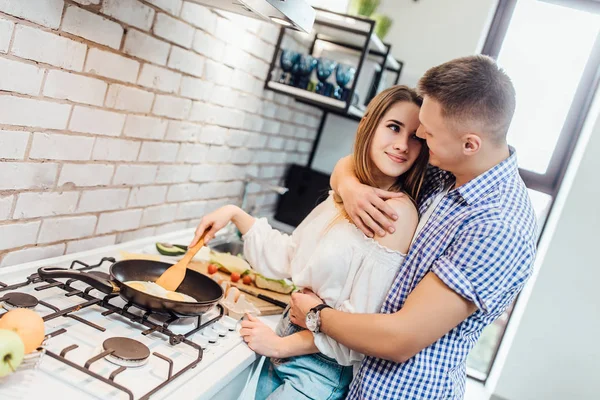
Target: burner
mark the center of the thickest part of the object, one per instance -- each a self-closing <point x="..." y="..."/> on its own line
<point x="127" y="352"/>
<point x="19" y="300"/>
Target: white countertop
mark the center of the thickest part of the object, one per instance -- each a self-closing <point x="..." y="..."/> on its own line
<point x="219" y="373"/>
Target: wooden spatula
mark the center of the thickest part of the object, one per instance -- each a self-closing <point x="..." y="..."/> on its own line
<point x="173" y="276"/>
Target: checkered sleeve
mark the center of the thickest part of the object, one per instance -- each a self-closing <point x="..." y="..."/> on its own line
<point x="487" y="264"/>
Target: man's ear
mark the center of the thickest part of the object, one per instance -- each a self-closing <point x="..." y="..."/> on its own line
<point x="471" y="144"/>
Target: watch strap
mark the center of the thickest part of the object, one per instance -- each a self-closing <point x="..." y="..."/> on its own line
<point x="319" y="307"/>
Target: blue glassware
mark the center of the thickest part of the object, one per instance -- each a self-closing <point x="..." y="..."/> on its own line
<point x="343" y="75"/>
<point x="287" y="60"/>
<point x="301" y="71"/>
<point x="325" y="68"/>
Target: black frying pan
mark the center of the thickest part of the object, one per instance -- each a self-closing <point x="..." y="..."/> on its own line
<point x="206" y="291"/>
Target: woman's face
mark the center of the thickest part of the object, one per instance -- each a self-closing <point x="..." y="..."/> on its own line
<point x="395" y="146"/>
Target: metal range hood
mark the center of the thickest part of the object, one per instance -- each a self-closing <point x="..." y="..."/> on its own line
<point x="295" y="14"/>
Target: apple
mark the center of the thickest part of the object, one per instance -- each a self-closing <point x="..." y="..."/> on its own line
<point x="28" y="324"/>
<point x="12" y="351"/>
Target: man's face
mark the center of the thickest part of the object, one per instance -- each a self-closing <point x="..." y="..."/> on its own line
<point x="445" y="145"/>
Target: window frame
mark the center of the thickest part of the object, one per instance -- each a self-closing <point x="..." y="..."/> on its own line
<point x="551" y="180"/>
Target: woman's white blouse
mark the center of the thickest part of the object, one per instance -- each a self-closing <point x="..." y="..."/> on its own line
<point x="348" y="270"/>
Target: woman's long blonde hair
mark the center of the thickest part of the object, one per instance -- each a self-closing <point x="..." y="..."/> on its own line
<point x="411" y="181"/>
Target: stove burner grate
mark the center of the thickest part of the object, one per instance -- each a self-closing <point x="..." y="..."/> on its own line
<point x="126" y="352"/>
<point x="14" y="300"/>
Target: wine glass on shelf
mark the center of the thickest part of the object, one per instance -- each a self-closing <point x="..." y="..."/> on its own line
<point x="287" y="60"/>
<point x="325" y="68"/>
<point x="343" y="75"/>
<point x="302" y="70"/>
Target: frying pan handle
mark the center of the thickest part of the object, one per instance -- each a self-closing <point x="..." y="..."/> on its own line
<point x="103" y="285"/>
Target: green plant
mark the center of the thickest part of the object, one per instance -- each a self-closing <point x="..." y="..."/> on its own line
<point x="383" y="23"/>
<point x="363" y="7"/>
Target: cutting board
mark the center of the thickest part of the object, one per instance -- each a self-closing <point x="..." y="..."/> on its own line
<point x="265" y="307"/>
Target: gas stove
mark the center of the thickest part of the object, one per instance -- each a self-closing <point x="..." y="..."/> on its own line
<point x="101" y="347"/>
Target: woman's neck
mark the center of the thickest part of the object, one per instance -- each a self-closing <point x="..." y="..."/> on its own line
<point x="382" y="181"/>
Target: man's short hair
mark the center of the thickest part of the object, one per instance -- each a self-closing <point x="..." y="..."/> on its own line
<point x="472" y="90"/>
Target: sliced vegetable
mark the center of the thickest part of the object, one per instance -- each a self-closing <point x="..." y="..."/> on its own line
<point x="235" y="277"/>
<point x="247" y="279"/>
<point x="228" y="263"/>
<point x="276" y="285"/>
<point x="167" y="249"/>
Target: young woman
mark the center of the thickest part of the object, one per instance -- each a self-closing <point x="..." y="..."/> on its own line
<point x="330" y="255"/>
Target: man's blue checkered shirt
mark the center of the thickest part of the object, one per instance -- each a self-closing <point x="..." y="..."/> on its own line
<point x="480" y="241"/>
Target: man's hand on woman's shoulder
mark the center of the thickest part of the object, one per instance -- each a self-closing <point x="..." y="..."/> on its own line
<point x="368" y="209"/>
<point x="364" y="204"/>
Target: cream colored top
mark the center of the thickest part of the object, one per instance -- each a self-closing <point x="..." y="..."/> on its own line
<point x="348" y="270"/>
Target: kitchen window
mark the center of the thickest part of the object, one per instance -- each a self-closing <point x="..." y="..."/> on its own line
<point x="551" y="50"/>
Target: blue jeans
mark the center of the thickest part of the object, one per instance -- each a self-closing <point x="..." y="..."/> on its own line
<point x="312" y="376"/>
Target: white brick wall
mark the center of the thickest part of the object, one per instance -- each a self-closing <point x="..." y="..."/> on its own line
<point x="31" y="112"/>
<point x="65" y="228"/>
<point x="195" y="88"/>
<point x="172" y="6"/>
<point x="171" y="106"/>
<point x="103" y="200"/>
<point x="119" y="221"/>
<point x="199" y="16"/>
<point x="16" y="176"/>
<point x="6" y="30"/>
<point x="37" y="45"/>
<point x="6" y="203"/>
<point x="122" y="119"/>
<point x="186" y="61"/>
<point x="33" y="205"/>
<point x="183" y="192"/>
<point x="93" y="120"/>
<point x="159" y="78"/>
<point x="128" y="98"/>
<point x="20" y="77"/>
<point x="208" y="45"/>
<point x="78" y="88"/>
<point x="111" y="65"/>
<point x="33" y="254"/>
<point x="52" y="146"/>
<point x="145" y="127"/>
<point x="182" y="131"/>
<point x="131" y="12"/>
<point x="147" y="195"/>
<point x="14" y="144"/>
<point x="115" y="149"/>
<point x="134" y="175"/>
<point x="192" y="153"/>
<point x="93" y="27"/>
<point x="146" y="47"/>
<point x="43" y="12"/>
<point x="174" y="30"/>
<point x="158" y="152"/>
<point x="86" y="175"/>
<point x="173" y="173"/>
<point x="17" y="235"/>
<point x="88" y="244"/>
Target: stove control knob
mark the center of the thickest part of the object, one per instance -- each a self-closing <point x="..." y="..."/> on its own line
<point x="219" y="329"/>
<point x="202" y="341"/>
<point x="210" y="335"/>
<point x="229" y="323"/>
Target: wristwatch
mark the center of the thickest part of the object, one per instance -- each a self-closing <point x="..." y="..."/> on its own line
<point x="313" y="318"/>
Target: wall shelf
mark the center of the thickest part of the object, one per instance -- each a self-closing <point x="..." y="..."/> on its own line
<point x="348" y="34"/>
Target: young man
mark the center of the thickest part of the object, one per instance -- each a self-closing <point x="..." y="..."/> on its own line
<point x="472" y="253"/>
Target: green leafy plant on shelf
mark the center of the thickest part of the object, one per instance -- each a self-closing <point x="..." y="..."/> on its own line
<point x="366" y="8"/>
<point x="363" y="7"/>
<point x="383" y="23"/>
